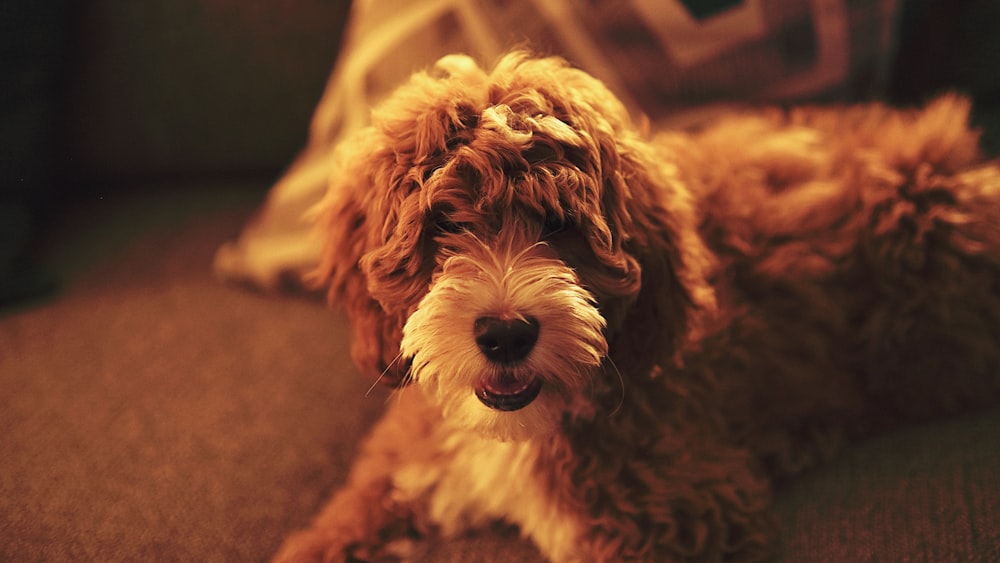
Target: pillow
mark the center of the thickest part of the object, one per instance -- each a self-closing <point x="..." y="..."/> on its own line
<point x="677" y="62"/>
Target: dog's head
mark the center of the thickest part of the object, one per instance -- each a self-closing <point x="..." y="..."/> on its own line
<point x="506" y="240"/>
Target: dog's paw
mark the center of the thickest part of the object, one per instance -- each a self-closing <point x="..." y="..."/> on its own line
<point x="312" y="546"/>
<point x="319" y="546"/>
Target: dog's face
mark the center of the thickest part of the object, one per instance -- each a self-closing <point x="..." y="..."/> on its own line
<point x="491" y="235"/>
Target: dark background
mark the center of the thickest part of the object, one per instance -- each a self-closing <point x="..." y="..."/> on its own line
<point x="104" y="97"/>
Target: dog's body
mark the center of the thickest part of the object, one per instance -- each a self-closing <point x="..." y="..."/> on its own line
<point x="618" y="344"/>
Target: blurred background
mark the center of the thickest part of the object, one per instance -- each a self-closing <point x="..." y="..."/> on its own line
<point x="109" y="96"/>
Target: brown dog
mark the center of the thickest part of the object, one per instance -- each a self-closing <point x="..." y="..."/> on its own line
<point x="618" y="344"/>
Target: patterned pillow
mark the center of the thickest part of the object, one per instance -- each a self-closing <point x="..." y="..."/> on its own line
<point x="675" y="61"/>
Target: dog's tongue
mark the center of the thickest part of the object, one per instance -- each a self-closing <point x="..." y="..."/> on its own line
<point x="507" y="384"/>
<point x="507" y="392"/>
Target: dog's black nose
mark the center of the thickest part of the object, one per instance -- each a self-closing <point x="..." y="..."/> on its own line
<point x="506" y="340"/>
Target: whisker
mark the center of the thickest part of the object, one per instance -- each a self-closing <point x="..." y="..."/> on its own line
<point x="621" y="382"/>
<point x="374" y="385"/>
<point x="397" y="392"/>
<point x="382" y="375"/>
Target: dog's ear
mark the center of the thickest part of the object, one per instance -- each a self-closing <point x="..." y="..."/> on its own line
<point x="647" y="201"/>
<point x="373" y="217"/>
<point x="348" y="233"/>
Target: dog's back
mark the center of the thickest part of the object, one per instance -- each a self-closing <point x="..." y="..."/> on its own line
<point x="859" y="270"/>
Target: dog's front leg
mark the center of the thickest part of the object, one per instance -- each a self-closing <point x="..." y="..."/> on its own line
<point x="368" y="519"/>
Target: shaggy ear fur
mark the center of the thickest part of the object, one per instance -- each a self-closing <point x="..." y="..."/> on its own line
<point x="675" y="300"/>
<point x="371" y="221"/>
<point x="343" y="222"/>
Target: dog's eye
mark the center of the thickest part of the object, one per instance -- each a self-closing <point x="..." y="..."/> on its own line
<point x="446" y="227"/>
<point x="555" y="223"/>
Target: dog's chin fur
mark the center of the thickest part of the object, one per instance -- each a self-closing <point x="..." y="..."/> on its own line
<point x="714" y="309"/>
<point x="514" y="279"/>
<point x="538" y="420"/>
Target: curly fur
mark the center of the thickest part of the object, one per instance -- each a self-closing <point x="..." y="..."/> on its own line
<point x="718" y="309"/>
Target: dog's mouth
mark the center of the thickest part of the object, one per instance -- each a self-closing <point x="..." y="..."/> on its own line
<point x="508" y="392"/>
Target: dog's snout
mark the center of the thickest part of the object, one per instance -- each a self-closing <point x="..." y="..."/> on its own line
<point x="506" y="340"/>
